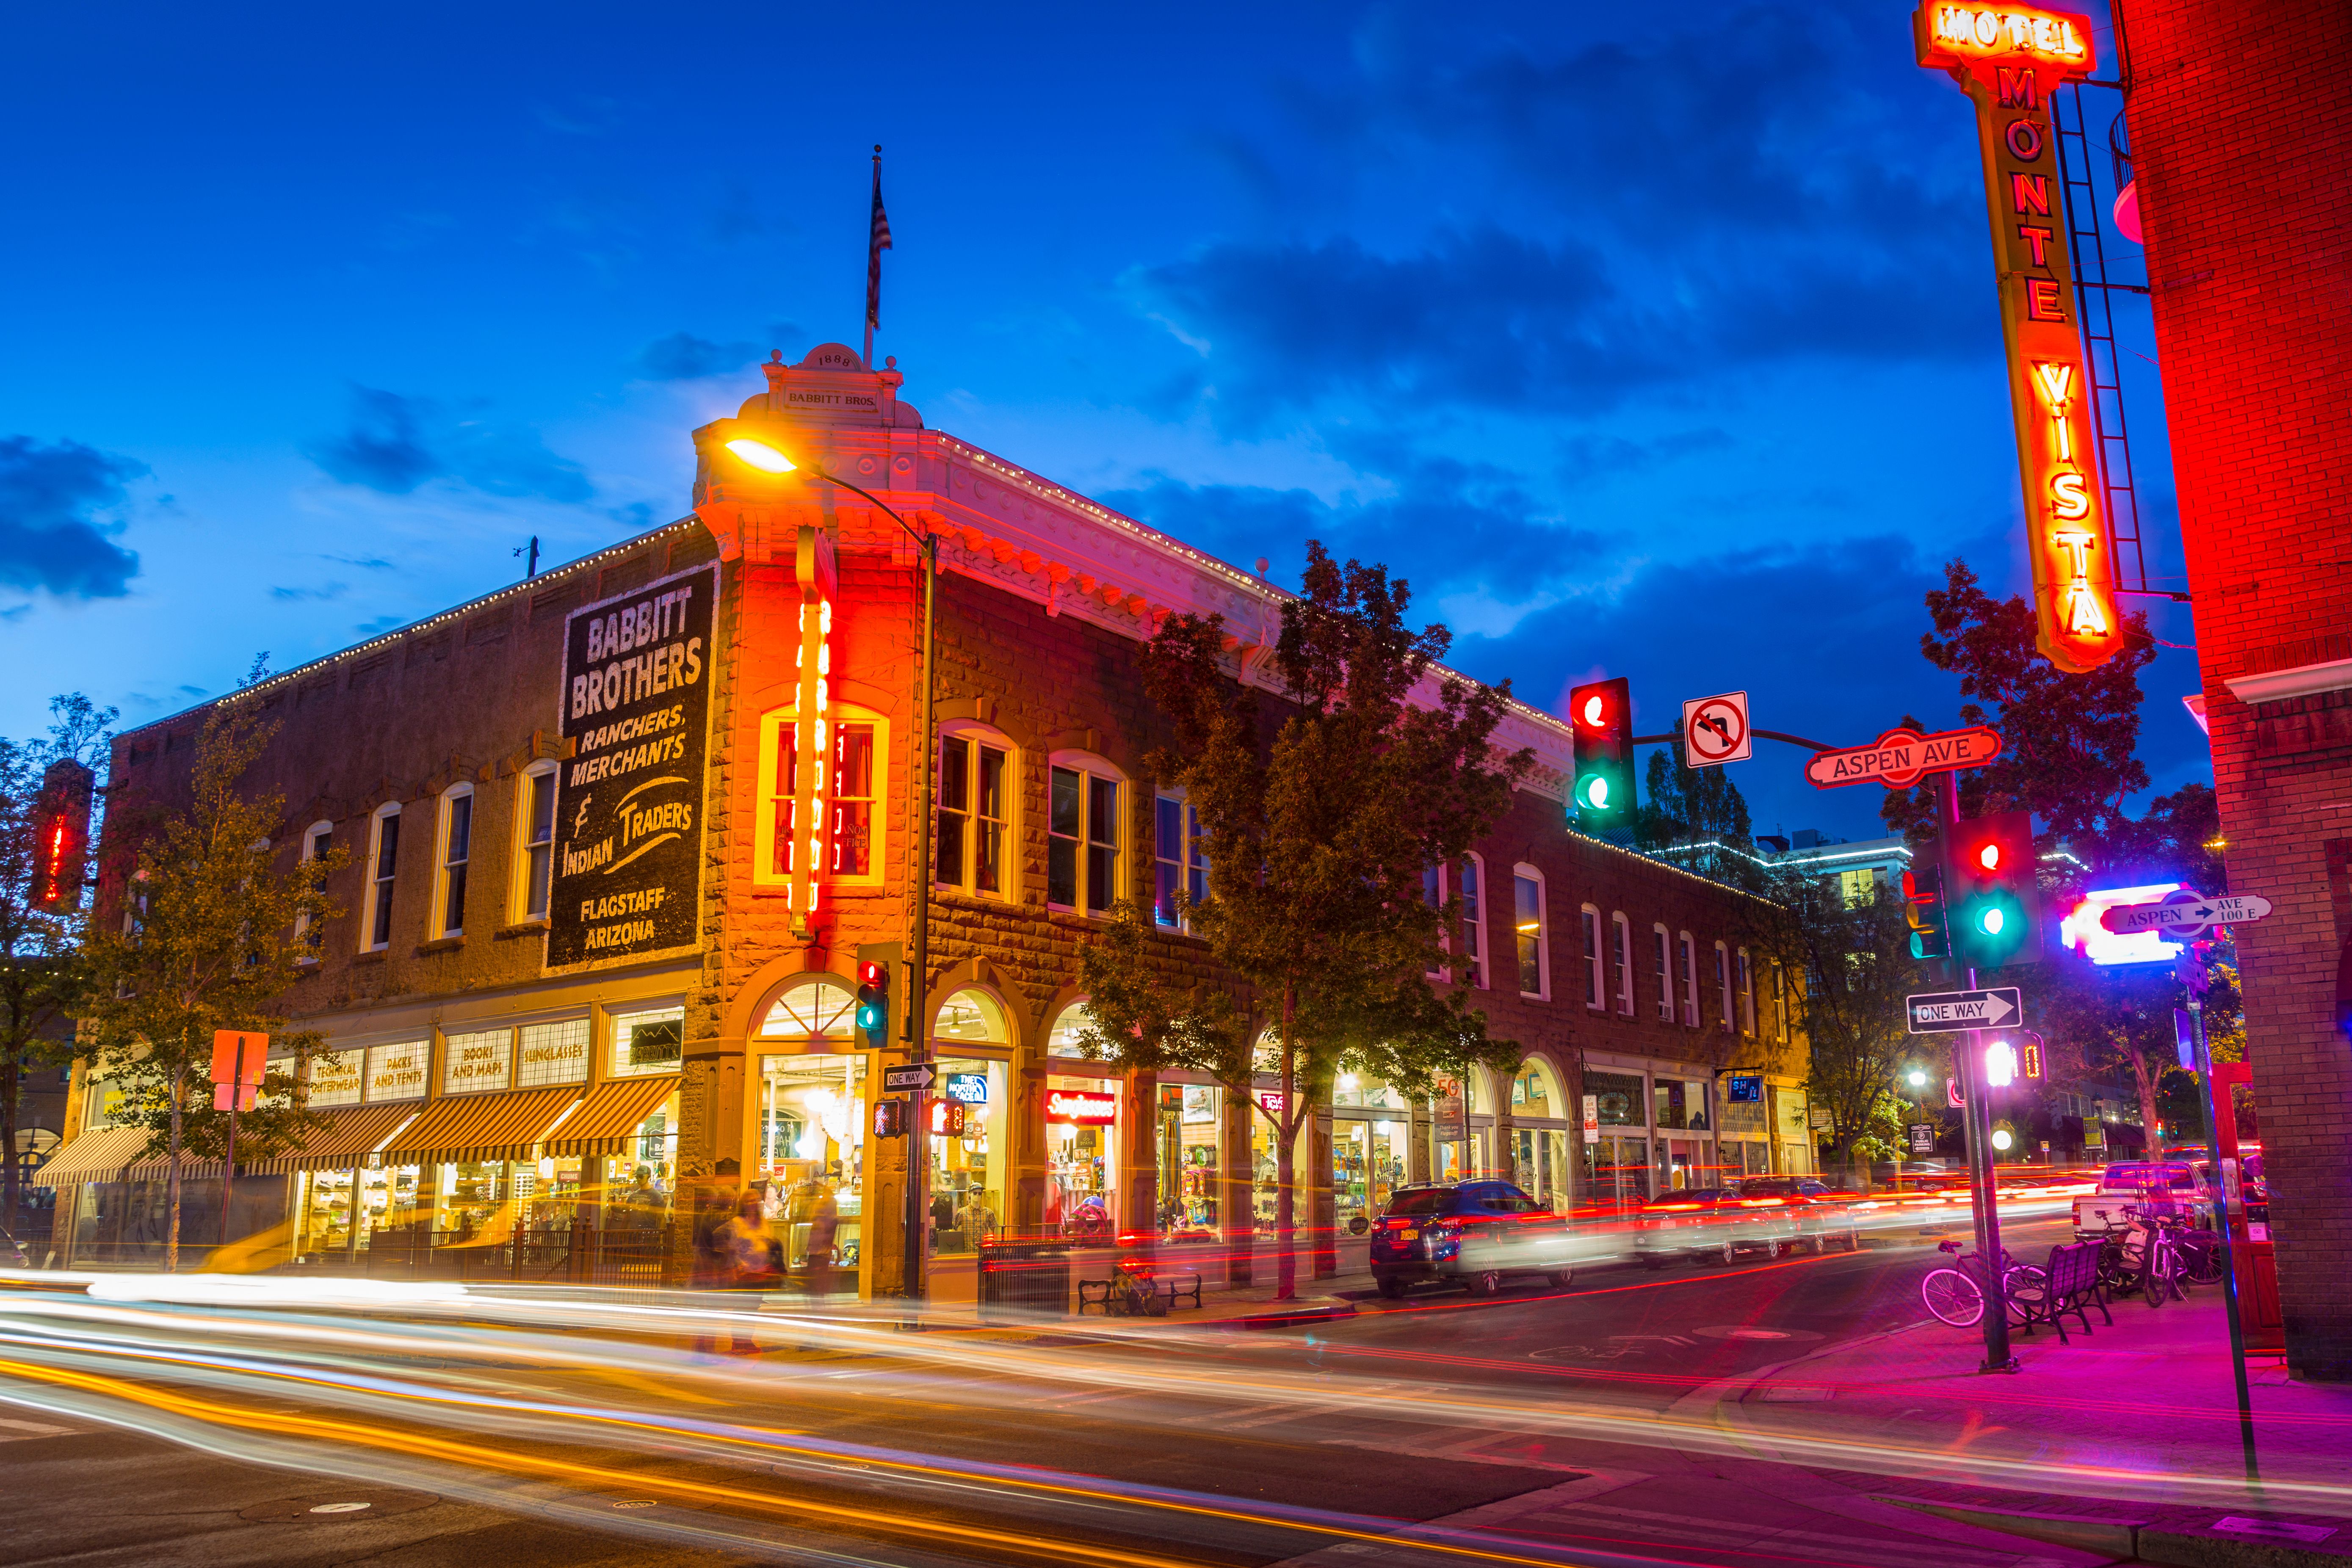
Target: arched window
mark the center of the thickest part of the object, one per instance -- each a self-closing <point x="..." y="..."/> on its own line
<point x="384" y="861"/>
<point x="1536" y="1092"/>
<point x="535" y="841"/>
<point x="851" y="786"/>
<point x="1061" y="1039"/>
<point x="972" y="1017"/>
<point x="454" y="850"/>
<point x="1528" y="937"/>
<point x="978" y="782"/>
<point x="318" y="841"/>
<point x="820" y="1009"/>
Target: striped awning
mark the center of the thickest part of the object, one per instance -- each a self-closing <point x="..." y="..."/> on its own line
<point x="480" y="1126"/>
<point x="351" y="1134"/>
<point x="98" y="1156"/>
<point x="614" y="1110"/>
<point x="158" y="1168"/>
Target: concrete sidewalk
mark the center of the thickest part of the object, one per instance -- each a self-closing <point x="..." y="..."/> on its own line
<point x="2133" y="1428"/>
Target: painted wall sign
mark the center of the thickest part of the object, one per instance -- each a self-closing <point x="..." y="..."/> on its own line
<point x="478" y="1061"/>
<point x="335" y="1077"/>
<point x="1081" y="1108"/>
<point x="2008" y="59"/>
<point x="628" y="812"/>
<point x="1900" y="758"/>
<point x="397" y="1072"/>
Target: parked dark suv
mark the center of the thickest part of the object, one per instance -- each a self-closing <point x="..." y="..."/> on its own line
<point x="1473" y="1234"/>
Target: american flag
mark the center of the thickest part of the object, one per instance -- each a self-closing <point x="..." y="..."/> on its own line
<point x="875" y="245"/>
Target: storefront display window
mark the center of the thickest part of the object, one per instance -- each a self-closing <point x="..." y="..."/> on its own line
<point x="1618" y="1098"/>
<point x="1617" y="1170"/>
<point x="1542" y="1161"/>
<point x="814" y="1115"/>
<point x="972" y="1018"/>
<point x="1190" y="1116"/>
<point x="1680" y="1103"/>
<point x="1081" y="1157"/>
<point x="648" y="1042"/>
<point x="967" y="1172"/>
<point x="1363" y="1090"/>
<point x="327" y="1211"/>
<point x="1367" y="1166"/>
<point x="1063" y="1039"/>
<point x="819" y="1010"/>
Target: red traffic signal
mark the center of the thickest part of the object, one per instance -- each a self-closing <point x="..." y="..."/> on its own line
<point x="872" y="973"/>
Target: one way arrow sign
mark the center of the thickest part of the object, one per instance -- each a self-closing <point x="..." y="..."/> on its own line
<point x="1945" y="1012"/>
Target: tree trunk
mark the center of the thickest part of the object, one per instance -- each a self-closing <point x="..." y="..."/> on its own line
<point x="171" y="1186"/>
<point x="9" y="1077"/>
<point x="1285" y="1133"/>
<point x="2147" y="1112"/>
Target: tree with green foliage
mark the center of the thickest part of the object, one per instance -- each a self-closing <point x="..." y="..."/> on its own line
<point x="1697" y="819"/>
<point x="202" y="937"/>
<point x="1319" y="823"/>
<point x="2068" y="754"/>
<point x="42" y="975"/>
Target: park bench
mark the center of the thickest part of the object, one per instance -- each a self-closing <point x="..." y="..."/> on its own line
<point x="2071" y="1285"/>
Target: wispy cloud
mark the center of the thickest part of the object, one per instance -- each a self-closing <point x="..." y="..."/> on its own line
<point x="396" y="443"/>
<point x="53" y="530"/>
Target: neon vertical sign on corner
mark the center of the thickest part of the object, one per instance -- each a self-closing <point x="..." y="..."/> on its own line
<point x="2008" y="59"/>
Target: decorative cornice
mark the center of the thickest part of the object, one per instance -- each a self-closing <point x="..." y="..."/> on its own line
<point x="2304" y="680"/>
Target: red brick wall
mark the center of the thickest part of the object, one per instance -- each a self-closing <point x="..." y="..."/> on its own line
<point x="2240" y="121"/>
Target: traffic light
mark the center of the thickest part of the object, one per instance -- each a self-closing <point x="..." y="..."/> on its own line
<point x="1600" y="717"/>
<point x="890" y="1119"/>
<point x="2029" y="1056"/>
<point x="2000" y="1063"/>
<point x="1990" y="887"/>
<point x="61" y="834"/>
<point x="1923" y="908"/>
<point x="950" y="1117"/>
<point x="874" y="1004"/>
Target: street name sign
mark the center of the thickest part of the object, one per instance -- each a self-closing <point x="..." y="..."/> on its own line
<point x="1945" y="1012"/>
<point x="1715" y="730"/>
<point x="1901" y="758"/>
<point x="918" y="1076"/>
<point x="2184" y="913"/>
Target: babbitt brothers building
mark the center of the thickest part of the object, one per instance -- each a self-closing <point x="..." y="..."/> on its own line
<point x="620" y="836"/>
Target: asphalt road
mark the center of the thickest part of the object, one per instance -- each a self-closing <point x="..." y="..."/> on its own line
<point x="1539" y="1426"/>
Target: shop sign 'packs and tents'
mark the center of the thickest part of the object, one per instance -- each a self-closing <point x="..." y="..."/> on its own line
<point x="635" y="704"/>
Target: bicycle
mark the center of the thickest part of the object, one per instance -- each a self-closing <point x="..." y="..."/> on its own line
<point x="1956" y="1295"/>
<point x="2144" y="1255"/>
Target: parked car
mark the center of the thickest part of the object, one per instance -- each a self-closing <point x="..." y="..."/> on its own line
<point x="1473" y="1234"/>
<point x="1826" y="1216"/>
<point x="1706" y="1223"/>
<point x="2166" y="1183"/>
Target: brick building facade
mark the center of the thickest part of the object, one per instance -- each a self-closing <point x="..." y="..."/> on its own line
<point x="669" y="1064"/>
<point x="2242" y="135"/>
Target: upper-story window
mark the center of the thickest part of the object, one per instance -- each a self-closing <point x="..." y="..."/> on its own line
<point x="384" y="861"/>
<point x="1082" y="837"/>
<point x="1596" y="967"/>
<point x="535" y="844"/>
<point x="318" y="841"/>
<point x="1472" y="944"/>
<point x="1723" y="986"/>
<point x="1665" y="957"/>
<point x="1690" y="981"/>
<point x="1528" y="930"/>
<point x="1746" y="994"/>
<point x="1779" y="1003"/>
<point x="1179" y="864"/>
<point x="456" y="839"/>
<point x="976" y="775"/>
<point x="1622" y="939"/>
<point x="848" y="783"/>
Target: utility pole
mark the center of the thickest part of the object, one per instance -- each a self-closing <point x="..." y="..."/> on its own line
<point x="2192" y="966"/>
<point x="1977" y="1119"/>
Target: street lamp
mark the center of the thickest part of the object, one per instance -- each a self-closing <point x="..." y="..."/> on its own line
<point x="769" y="460"/>
<point x="1916" y="1078"/>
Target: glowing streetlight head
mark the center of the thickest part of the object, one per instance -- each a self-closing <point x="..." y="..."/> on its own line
<point x="761" y="456"/>
<point x="2001" y="1139"/>
<point x="1916" y="1079"/>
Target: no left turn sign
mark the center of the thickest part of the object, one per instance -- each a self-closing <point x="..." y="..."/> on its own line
<point x="1715" y="730"/>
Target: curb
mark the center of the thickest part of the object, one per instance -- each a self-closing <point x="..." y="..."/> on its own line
<point x="1289" y="1317"/>
<point x="2185" y="1540"/>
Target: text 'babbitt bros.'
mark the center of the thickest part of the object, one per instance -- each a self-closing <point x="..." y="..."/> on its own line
<point x="629" y="829"/>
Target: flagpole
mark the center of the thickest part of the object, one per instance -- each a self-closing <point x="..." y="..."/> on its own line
<point x="873" y="262"/>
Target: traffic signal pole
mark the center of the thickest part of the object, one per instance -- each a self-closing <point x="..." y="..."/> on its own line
<point x="1977" y="1119"/>
<point x="2225" y="1200"/>
<point x="919" y="1132"/>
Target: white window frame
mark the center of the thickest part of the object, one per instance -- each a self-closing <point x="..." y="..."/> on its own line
<point x="383" y="885"/>
<point x="1622" y="930"/>
<point x="966" y="878"/>
<point x="1089" y="769"/>
<point x="309" y="852"/>
<point x="1723" y="986"/>
<point x="1191" y="862"/>
<point x="1688" y="951"/>
<point x="1478" y="968"/>
<point x="1664" y="948"/>
<point x="444" y="846"/>
<point x="1596" y="962"/>
<point x="519" y="895"/>
<point x="773" y="726"/>
<point x="1521" y="873"/>
<point x="1746" y="994"/>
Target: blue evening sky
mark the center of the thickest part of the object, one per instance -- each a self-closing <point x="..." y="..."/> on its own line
<point x="1653" y="342"/>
